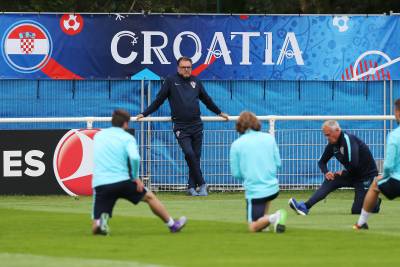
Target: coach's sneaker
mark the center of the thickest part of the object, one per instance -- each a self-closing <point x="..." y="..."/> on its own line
<point x="178" y="225"/>
<point x="361" y="227"/>
<point x="203" y="190"/>
<point x="102" y="228"/>
<point x="280" y="224"/>
<point x="299" y="207"/>
<point x="192" y="192"/>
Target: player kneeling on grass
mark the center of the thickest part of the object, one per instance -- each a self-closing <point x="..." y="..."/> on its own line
<point x="254" y="159"/>
<point x="115" y="175"/>
<point x="389" y="182"/>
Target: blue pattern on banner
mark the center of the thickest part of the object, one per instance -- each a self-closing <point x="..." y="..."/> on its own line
<point x="227" y="47"/>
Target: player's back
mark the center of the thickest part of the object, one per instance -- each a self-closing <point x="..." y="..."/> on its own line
<point x="111" y="156"/>
<point x="258" y="163"/>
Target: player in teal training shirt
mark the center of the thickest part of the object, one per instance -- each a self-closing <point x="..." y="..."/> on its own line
<point x="116" y="175"/>
<point x="389" y="182"/>
<point x="254" y="159"/>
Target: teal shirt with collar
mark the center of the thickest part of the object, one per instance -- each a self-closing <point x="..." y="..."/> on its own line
<point x="114" y="150"/>
<point x="255" y="159"/>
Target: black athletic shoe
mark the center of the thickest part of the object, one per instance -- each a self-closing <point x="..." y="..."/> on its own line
<point x="360" y="227"/>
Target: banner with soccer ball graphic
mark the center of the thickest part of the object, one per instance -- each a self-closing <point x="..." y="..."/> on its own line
<point x="223" y="47"/>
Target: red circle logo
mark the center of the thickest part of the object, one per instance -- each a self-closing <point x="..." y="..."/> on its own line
<point x="71" y="24"/>
<point x="73" y="162"/>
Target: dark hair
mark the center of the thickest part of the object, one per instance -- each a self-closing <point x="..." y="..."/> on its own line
<point x="247" y="120"/>
<point x="119" y="117"/>
<point x="397" y="104"/>
<point x="184" y="59"/>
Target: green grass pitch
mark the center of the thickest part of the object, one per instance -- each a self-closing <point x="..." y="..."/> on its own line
<point x="55" y="231"/>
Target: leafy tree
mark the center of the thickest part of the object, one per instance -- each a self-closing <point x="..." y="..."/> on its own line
<point x="204" y="6"/>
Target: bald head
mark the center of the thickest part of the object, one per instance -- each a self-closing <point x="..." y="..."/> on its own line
<point x="331" y="130"/>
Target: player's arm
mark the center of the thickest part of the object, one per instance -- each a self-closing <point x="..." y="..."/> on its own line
<point x="390" y="158"/>
<point x="235" y="162"/>
<point x="133" y="157"/>
<point x="160" y="98"/>
<point x="323" y="161"/>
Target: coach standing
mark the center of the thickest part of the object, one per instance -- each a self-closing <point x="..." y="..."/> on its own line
<point x="183" y="92"/>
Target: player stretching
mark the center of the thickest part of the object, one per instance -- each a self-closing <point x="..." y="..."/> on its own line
<point x="115" y="175"/>
<point x="389" y="182"/>
<point x="254" y="159"/>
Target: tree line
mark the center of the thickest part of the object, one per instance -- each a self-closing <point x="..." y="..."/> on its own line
<point x="205" y="6"/>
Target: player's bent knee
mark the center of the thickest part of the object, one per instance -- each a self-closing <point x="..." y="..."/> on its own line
<point x="375" y="189"/>
<point x="374" y="186"/>
<point x="149" y="196"/>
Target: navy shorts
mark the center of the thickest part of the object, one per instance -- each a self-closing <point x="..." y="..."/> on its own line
<point x="256" y="207"/>
<point x="105" y="196"/>
<point x="390" y="188"/>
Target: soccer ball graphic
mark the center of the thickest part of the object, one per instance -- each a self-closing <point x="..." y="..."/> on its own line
<point x="71" y="23"/>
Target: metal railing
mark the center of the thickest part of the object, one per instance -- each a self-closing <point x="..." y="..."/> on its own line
<point x="163" y="167"/>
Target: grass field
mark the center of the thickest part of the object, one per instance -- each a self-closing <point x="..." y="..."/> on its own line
<point x="55" y="231"/>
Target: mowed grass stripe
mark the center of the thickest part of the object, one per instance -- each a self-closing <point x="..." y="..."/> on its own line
<point x="144" y="240"/>
<point x="324" y="238"/>
<point x="17" y="260"/>
<point x="332" y="214"/>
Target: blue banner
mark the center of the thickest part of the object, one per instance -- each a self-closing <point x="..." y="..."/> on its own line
<point x="222" y="47"/>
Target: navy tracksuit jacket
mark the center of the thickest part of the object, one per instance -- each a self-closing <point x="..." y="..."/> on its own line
<point x="359" y="170"/>
<point x="183" y="95"/>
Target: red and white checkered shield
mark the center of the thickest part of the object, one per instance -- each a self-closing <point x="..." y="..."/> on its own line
<point x="27" y="45"/>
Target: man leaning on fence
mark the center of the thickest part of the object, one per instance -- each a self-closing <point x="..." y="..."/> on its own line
<point x="358" y="173"/>
<point x="184" y="92"/>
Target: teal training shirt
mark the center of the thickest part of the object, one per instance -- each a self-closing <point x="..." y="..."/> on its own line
<point x="391" y="165"/>
<point x="114" y="149"/>
<point x="254" y="159"/>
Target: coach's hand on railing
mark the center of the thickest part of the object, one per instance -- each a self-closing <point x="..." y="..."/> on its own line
<point x="139" y="117"/>
<point x="224" y="115"/>
<point x="329" y="176"/>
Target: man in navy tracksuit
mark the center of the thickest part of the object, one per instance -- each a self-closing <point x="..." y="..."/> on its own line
<point x="184" y="92"/>
<point x="359" y="169"/>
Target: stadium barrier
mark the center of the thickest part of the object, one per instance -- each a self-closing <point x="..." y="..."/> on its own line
<point x="163" y="167"/>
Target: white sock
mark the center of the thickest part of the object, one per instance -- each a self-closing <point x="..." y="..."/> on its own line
<point x="170" y="222"/>
<point x="363" y="217"/>
<point x="98" y="222"/>
<point x="273" y="217"/>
